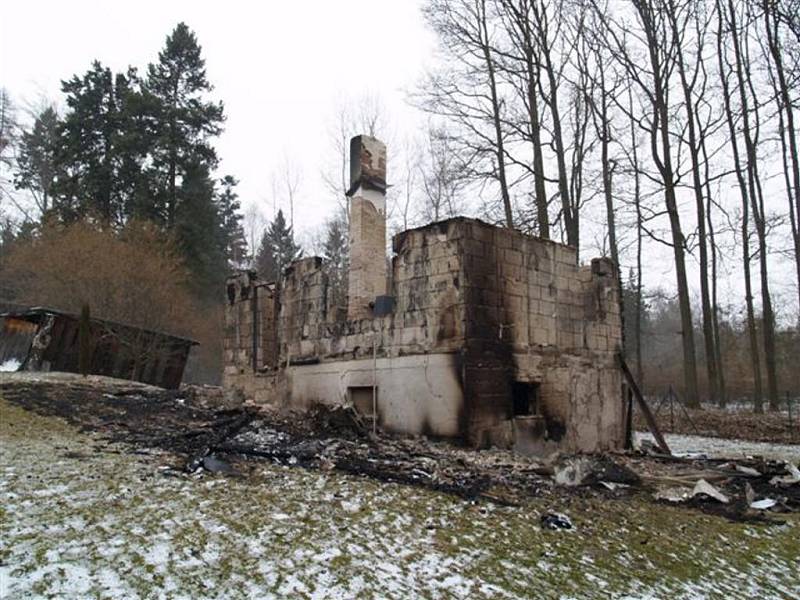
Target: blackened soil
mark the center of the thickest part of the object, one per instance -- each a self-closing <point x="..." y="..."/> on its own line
<point x="143" y="416"/>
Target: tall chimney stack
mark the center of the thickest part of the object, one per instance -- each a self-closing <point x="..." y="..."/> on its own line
<point x="367" y="195"/>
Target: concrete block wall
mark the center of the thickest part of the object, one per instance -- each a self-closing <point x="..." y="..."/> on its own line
<point x="529" y="305"/>
<point x="428" y="314"/>
<point x="250" y="315"/>
<point x="429" y="297"/>
<point x="304" y="308"/>
<point x="238" y="340"/>
<point x="499" y="307"/>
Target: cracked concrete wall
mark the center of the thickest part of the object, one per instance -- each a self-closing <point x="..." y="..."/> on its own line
<point x="477" y="308"/>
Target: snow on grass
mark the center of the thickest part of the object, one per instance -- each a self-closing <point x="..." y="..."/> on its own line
<point x="726" y="448"/>
<point x="110" y="525"/>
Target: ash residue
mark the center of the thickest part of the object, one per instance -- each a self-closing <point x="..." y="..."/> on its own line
<point x="335" y="438"/>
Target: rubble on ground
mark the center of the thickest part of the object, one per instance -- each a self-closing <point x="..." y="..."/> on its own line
<point x="579" y="470"/>
<point x="554" y="521"/>
<point x="229" y="440"/>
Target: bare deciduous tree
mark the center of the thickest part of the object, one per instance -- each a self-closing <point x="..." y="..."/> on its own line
<point x="468" y="92"/>
<point x="441" y="177"/>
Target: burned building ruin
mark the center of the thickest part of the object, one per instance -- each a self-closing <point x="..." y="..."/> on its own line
<point x="482" y="334"/>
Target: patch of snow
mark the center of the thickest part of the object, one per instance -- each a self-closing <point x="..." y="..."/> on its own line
<point x="10" y="365"/>
<point x="158" y="555"/>
<point x="351" y="507"/>
<point x="51" y="491"/>
<point x="683" y="445"/>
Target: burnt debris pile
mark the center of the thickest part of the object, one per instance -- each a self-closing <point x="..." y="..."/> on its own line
<point x="336" y="438"/>
<point x="205" y="431"/>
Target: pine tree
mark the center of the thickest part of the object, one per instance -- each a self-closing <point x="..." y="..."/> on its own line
<point x="277" y="249"/>
<point x="198" y="231"/>
<point x="129" y="148"/>
<point x="230" y="215"/>
<point x="337" y="259"/>
<point x="185" y="121"/>
<point x="36" y="162"/>
<point x="99" y="169"/>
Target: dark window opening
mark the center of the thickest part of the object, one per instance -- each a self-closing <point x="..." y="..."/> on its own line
<point x="231" y="293"/>
<point x="244" y="293"/>
<point x="361" y="398"/>
<point x="525" y="398"/>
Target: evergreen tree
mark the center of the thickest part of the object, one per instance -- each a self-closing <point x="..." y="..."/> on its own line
<point x="185" y="121"/>
<point x="129" y="148"/>
<point x="36" y="162"/>
<point x="277" y="249"/>
<point x="230" y="215"/>
<point x="198" y="232"/>
<point x="100" y="171"/>
<point x="337" y="259"/>
<point x="265" y="263"/>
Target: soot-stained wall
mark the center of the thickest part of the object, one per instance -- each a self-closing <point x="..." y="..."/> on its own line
<point x="496" y="338"/>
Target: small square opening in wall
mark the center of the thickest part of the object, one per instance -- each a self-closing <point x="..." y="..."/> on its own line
<point x="525" y="398"/>
<point x="361" y="399"/>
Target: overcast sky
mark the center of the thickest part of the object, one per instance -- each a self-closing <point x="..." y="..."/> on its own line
<point x="281" y="68"/>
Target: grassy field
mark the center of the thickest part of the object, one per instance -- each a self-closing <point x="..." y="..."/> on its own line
<point x="80" y="519"/>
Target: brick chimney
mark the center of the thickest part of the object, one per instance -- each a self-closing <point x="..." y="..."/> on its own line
<point x="367" y="195"/>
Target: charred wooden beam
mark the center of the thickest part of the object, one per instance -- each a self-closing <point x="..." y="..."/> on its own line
<point x="652" y="425"/>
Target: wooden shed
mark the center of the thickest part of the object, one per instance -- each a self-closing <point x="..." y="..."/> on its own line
<point x="45" y="339"/>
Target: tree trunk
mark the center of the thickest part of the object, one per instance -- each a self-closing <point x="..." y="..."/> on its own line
<point x="603" y="131"/>
<point x="496" y="117"/>
<point x="744" y="192"/>
<point x="540" y="193"/>
<point x="519" y="15"/>
<point x="722" y="396"/>
<point x="697" y="185"/>
<point x="570" y="216"/>
<point x="757" y="206"/>
<point x="637" y="198"/>
<point x="661" y="135"/>
<point x="787" y="129"/>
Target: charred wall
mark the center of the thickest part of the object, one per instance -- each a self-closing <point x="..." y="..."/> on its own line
<point x="535" y="317"/>
<point x="478" y="312"/>
<point x="250" y="345"/>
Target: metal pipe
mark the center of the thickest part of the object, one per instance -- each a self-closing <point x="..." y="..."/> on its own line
<point x="375" y="383"/>
<point x="254" y="310"/>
